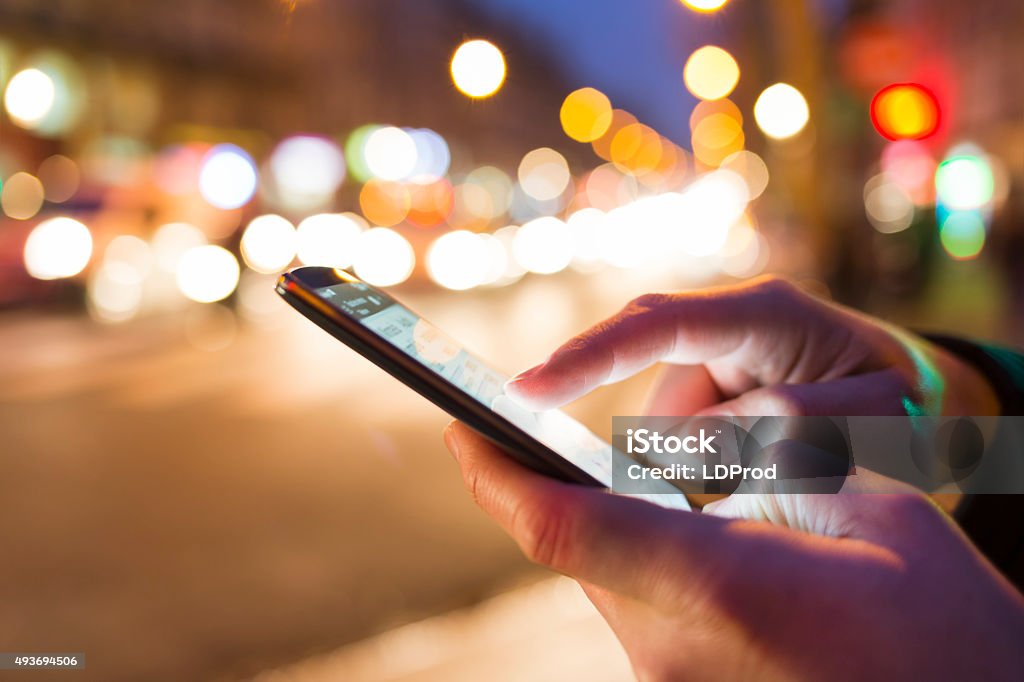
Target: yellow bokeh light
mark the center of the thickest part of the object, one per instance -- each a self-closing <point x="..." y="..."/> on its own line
<point x="478" y="68"/>
<point x="22" y="196"/>
<point x="716" y="137"/>
<point x="636" y="149"/>
<point x="603" y="145"/>
<point x="586" y="114"/>
<point x="705" y="5"/>
<point x="719" y="106"/>
<point x="711" y="73"/>
<point x="781" y="111"/>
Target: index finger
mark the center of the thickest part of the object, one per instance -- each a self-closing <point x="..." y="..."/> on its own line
<point x="687" y="328"/>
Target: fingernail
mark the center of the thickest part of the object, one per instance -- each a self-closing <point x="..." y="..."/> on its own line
<point x="451" y="441"/>
<point x="523" y="375"/>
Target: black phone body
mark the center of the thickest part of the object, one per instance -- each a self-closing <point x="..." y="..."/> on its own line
<point x="402" y="343"/>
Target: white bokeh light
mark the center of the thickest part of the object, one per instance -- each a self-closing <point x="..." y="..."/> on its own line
<point x="57" y="248"/>
<point x="207" y="273"/>
<point x="781" y="111"/>
<point x="29" y="97"/>
<point x="384" y="257"/>
<point x="268" y="243"/>
<point x="228" y="177"/>
<point x="307" y="170"/>
<point x="543" y="246"/>
<point x="328" y="239"/>
<point x="458" y="260"/>
<point x="390" y="153"/>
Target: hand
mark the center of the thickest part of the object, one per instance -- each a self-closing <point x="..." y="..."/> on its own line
<point x="762" y="348"/>
<point x="848" y="586"/>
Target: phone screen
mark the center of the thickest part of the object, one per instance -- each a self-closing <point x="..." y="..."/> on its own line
<point x="423" y="342"/>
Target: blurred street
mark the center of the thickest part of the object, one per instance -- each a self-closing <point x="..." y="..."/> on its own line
<point x="196" y="483"/>
<point x="234" y="510"/>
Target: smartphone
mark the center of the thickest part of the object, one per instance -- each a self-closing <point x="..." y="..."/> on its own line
<point x="429" y="362"/>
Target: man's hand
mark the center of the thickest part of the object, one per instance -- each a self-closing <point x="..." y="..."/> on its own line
<point x="847" y="586"/>
<point x="889" y="589"/>
<point x="762" y="348"/>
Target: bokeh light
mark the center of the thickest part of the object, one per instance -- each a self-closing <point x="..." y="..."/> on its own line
<point x="431" y="204"/>
<point x="888" y="206"/>
<point x="60" y="177"/>
<point x="636" y="149"/>
<point x="432" y="156"/>
<point x="498" y="186"/>
<point x="130" y="255"/>
<point x="544" y="246"/>
<point x="751" y="168"/>
<point x="911" y="166"/>
<point x="905" y="111"/>
<point x="113" y="294"/>
<point x="57" y="248"/>
<point x="228" y="176"/>
<point x="29" y="97"/>
<point x="711" y="73"/>
<point x="781" y="111"/>
<point x="207" y="273"/>
<point x="390" y="153"/>
<point x="586" y="114"/>
<point x="962" y="234"/>
<point x="384" y="202"/>
<point x="543" y="174"/>
<point x="384" y="257"/>
<point x="355" y="151"/>
<point x="705" y="5"/>
<point x="478" y="68"/>
<point x="458" y="260"/>
<point x="22" y="196"/>
<point x="307" y="171"/>
<point x="964" y="182"/>
<point x="268" y="243"/>
<point x="171" y="241"/>
<point x="328" y="239"/>
<point x="715" y="138"/>
<point x="474" y="208"/>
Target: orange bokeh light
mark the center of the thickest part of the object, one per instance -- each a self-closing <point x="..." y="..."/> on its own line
<point x="905" y="111"/>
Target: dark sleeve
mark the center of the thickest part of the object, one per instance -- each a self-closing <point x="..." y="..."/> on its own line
<point x="1003" y="367"/>
<point x="995" y="523"/>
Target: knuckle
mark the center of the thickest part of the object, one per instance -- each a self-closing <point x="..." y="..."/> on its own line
<point x="775" y="284"/>
<point x="650" y="301"/>
<point x="544" y="533"/>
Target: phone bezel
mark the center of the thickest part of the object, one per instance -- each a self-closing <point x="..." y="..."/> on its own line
<point x="298" y="288"/>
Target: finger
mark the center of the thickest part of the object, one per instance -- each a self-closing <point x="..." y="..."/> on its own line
<point x="682" y="390"/>
<point x="884" y="392"/>
<point x="618" y="543"/>
<point x="691" y="328"/>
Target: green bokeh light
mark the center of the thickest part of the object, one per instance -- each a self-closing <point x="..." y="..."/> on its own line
<point x="964" y="182"/>
<point x="963" y="234"/>
<point x="354" y="156"/>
